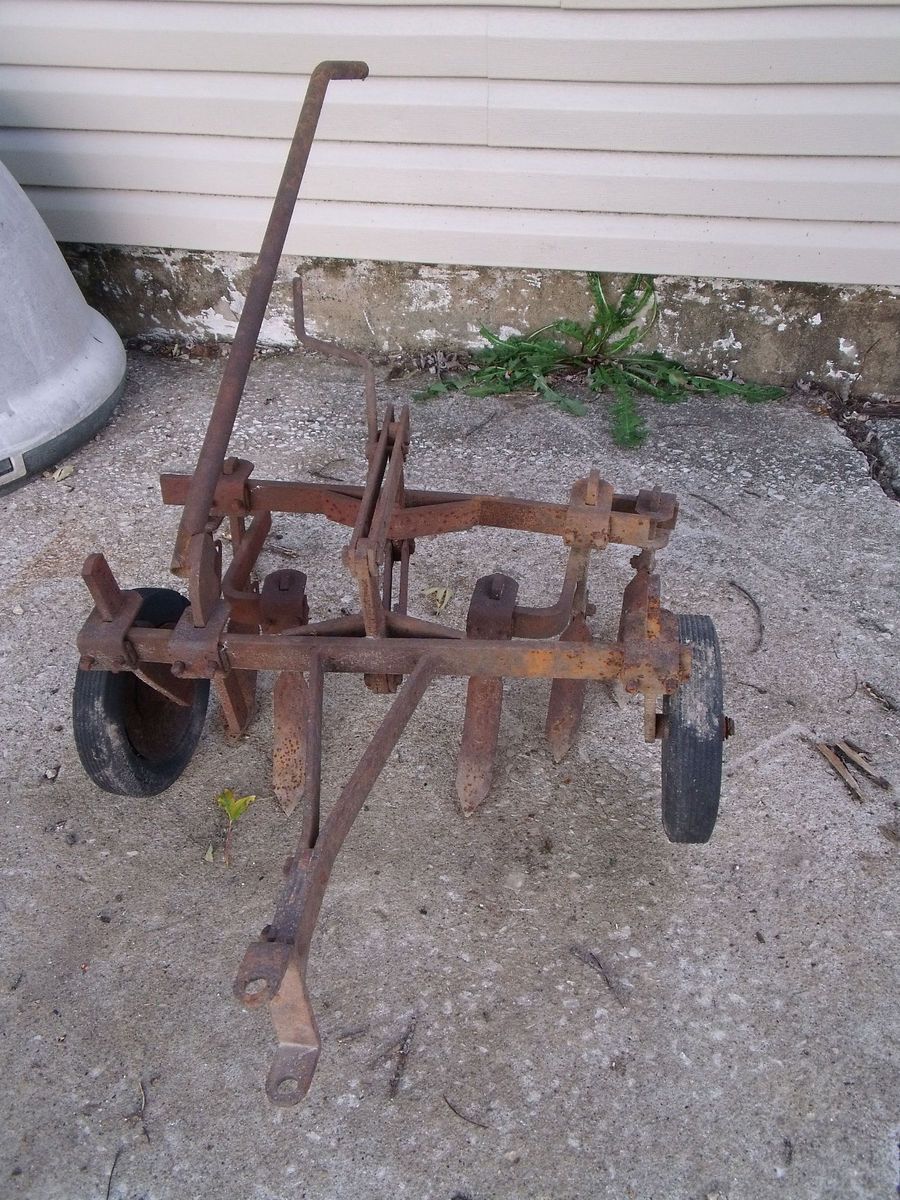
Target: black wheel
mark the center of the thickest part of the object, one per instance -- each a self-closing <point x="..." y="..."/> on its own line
<point x="131" y="739"/>
<point x="693" y="739"/>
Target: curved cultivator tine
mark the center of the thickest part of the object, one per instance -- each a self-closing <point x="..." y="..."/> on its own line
<point x="481" y="730"/>
<point x="290" y="707"/>
<point x="490" y="616"/>
<point x="566" y="698"/>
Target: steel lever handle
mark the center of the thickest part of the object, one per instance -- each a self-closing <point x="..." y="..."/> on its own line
<point x="341" y="69"/>
<point x="221" y="423"/>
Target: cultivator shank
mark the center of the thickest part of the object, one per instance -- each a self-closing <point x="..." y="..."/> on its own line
<point x="234" y="627"/>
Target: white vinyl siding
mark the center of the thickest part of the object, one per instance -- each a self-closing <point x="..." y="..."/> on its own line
<point x="779" y="45"/>
<point x="745" y="141"/>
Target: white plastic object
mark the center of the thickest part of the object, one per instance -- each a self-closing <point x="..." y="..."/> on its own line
<point x="62" y="365"/>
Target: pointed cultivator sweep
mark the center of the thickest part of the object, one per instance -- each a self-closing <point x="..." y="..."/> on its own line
<point x="150" y="656"/>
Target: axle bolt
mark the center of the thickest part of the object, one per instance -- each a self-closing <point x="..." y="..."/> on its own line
<point x="178" y="669"/>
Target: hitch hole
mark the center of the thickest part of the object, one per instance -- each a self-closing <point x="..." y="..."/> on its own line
<point x="287" y="1087"/>
<point x="255" y="987"/>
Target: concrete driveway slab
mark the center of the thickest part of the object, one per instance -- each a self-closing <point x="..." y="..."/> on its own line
<point x="596" y="1013"/>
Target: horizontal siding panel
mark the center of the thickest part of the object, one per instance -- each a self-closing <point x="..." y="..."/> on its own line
<point x="395" y="110"/>
<point x="680" y="4"/>
<point x="167" y="36"/>
<point x="739" y="45"/>
<point x="833" y="189"/>
<point x="748" y="138"/>
<point x="788" y="119"/>
<point x="841" y="45"/>
<point x="782" y="119"/>
<point x="826" y="251"/>
<point x="627" y="5"/>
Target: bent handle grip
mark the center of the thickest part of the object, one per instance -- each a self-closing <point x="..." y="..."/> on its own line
<point x="340" y="69"/>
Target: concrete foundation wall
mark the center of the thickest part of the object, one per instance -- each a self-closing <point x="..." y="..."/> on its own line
<point x="771" y="332"/>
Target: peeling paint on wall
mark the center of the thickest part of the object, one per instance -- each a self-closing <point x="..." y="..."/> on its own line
<point x="770" y="332"/>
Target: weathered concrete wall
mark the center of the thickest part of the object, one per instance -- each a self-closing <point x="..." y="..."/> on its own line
<point x="840" y="337"/>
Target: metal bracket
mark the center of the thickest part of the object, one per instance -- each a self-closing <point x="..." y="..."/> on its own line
<point x="103" y="638"/>
<point x="652" y="661"/>
<point x="197" y="651"/>
<point x="589" y="512"/>
<point x="661" y="509"/>
<point x="282" y="601"/>
<point x="232" y="493"/>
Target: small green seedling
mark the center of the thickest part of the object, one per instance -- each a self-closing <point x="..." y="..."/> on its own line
<point x="234" y="808"/>
<point x="602" y="353"/>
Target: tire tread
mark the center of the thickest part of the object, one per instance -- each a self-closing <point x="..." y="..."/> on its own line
<point x="692" y="747"/>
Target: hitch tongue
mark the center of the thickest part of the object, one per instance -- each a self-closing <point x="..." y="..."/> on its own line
<point x="271" y="973"/>
<point x="299" y="1043"/>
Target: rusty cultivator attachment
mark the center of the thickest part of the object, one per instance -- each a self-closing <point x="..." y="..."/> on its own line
<point x="149" y="656"/>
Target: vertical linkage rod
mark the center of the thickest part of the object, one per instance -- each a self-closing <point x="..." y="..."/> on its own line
<point x="567" y="696"/>
<point x="312" y="788"/>
<point x="218" y="434"/>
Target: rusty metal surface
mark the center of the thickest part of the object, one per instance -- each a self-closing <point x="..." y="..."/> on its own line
<point x="234" y="700"/>
<point x="490" y="616"/>
<point x="427" y="513"/>
<point x="566" y="698"/>
<point x="290" y="702"/>
<point x="532" y="659"/>
<point x="235" y="628"/>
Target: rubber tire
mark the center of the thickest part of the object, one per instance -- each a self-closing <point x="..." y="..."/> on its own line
<point x="131" y="740"/>
<point x="693" y="743"/>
